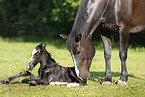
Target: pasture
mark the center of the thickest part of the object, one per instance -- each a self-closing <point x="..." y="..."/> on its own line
<point x="15" y="54"/>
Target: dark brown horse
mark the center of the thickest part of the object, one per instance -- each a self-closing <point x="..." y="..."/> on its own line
<point x="121" y="16"/>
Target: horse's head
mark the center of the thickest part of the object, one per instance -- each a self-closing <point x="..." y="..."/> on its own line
<point x="36" y="56"/>
<point x="82" y="51"/>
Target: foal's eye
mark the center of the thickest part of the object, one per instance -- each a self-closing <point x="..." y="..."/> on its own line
<point x="37" y="53"/>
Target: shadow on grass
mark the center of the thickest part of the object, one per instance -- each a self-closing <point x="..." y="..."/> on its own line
<point x="99" y="76"/>
<point x="94" y="76"/>
<point x="24" y="81"/>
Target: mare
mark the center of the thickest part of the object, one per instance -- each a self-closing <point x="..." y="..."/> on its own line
<point x="119" y="16"/>
<point x="49" y="72"/>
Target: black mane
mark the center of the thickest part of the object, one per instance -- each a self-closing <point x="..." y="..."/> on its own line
<point x="80" y="26"/>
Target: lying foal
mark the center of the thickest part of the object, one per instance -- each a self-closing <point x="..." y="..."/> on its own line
<point x="49" y="72"/>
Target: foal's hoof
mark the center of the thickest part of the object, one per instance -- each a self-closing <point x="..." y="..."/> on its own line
<point x="122" y="83"/>
<point x="106" y="83"/>
<point x="33" y="83"/>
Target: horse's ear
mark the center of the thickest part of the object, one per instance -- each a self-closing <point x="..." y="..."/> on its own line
<point x="63" y="36"/>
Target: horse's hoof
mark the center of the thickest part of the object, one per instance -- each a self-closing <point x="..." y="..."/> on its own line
<point x="106" y="83"/>
<point x="122" y="83"/>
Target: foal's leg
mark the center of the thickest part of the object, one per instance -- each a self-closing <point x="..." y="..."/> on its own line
<point x="35" y="79"/>
<point x="7" y="80"/>
<point x="107" y="55"/>
<point x="21" y="74"/>
<point x="124" y="39"/>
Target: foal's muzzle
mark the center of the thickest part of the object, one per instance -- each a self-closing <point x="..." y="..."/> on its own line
<point x="30" y="67"/>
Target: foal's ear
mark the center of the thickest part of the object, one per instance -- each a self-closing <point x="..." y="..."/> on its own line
<point x="63" y="36"/>
<point x="44" y="45"/>
<point x="39" y="46"/>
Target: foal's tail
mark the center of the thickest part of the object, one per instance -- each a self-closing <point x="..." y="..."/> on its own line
<point x="8" y="80"/>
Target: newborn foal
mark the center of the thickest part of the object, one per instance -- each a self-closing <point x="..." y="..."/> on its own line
<point x="49" y="72"/>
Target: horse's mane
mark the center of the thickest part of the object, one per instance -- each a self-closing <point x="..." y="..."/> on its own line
<point x="79" y="26"/>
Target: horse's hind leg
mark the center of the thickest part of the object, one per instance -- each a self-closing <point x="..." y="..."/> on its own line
<point x="107" y="56"/>
<point x="124" y="39"/>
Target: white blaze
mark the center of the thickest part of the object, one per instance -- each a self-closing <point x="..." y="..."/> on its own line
<point x="33" y="52"/>
<point x="76" y="68"/>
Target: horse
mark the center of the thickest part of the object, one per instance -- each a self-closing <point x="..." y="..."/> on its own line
<point x="117" y="16"/>
<point x="49" y="72"/>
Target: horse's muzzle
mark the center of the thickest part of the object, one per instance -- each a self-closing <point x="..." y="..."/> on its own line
<point x="84" y="74"/>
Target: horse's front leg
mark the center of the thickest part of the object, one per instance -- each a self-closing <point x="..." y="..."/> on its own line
<point x="124" y="39"/>
<point x="107" y="56"/>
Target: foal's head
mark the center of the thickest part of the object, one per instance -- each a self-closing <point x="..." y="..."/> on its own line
<point x="36" y="56"/>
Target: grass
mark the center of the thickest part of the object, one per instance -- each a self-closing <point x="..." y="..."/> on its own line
<point x="16" y="52"/>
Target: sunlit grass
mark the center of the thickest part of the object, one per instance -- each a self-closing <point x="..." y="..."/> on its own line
<point x="15" y="54"/>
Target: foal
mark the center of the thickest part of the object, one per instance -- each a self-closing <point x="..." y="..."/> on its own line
<point x="49" y="72"/>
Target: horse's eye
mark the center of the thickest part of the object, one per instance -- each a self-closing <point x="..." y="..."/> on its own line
<point x="78" y="38"/>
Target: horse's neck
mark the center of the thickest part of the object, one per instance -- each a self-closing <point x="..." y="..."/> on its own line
<point x="89" y="11"/>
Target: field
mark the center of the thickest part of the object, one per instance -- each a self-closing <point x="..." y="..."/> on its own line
<point x="15" y="53"/>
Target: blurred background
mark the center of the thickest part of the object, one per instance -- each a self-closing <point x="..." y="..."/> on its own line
<point x="49" y="17"/>
<point x="45" y="18"/>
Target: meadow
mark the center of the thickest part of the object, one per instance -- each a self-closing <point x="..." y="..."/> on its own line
<point x="15" y="54"/>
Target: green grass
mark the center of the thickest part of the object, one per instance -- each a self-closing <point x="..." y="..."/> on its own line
<point x="16" y="52"/>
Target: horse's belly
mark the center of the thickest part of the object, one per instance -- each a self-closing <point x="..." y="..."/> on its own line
<point x="134" y="29"/>
<point x="137" y="29"/>
<point x="111" y="27"/>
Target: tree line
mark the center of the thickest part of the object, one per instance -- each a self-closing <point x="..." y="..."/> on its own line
<point x="48" y="13"/>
